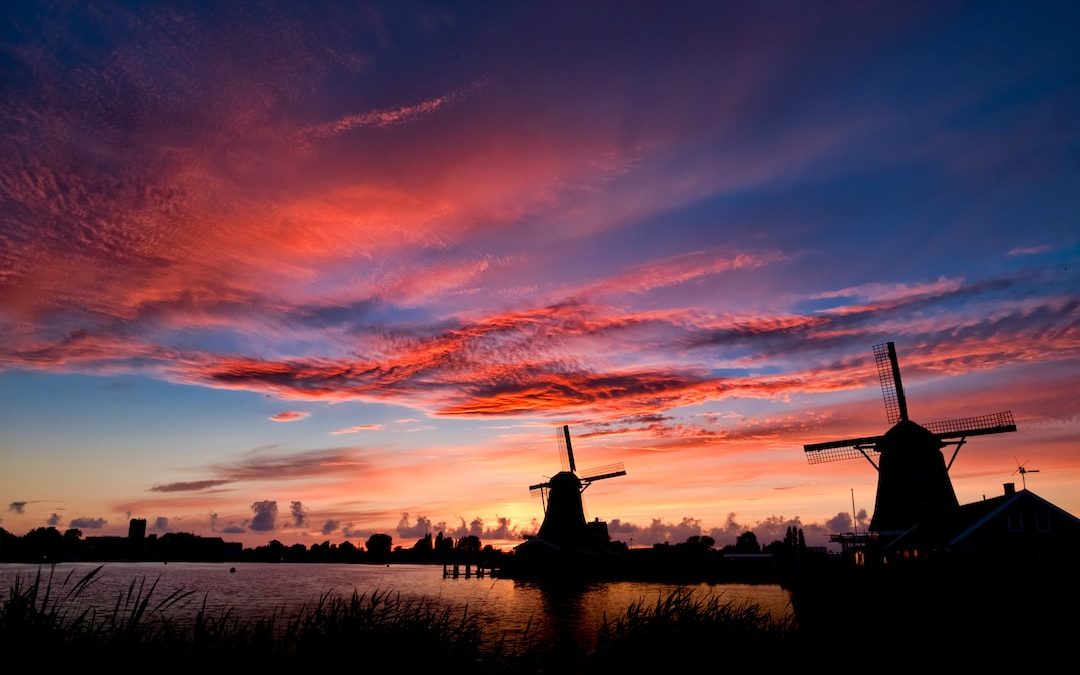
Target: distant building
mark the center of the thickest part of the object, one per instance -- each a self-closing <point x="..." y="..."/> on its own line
<point x="137" y="530"/>
<point x="1018" y="526"/>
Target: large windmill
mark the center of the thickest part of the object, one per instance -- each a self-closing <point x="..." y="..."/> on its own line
<point x="913" y="478"/>
<point x="564" y="517"/>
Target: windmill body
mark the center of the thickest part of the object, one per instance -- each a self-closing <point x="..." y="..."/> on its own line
<point x="913" y="482"/>
<point x="564" y="525"/>
<point x="564" y="519"/>
<point x="914" y="489"/>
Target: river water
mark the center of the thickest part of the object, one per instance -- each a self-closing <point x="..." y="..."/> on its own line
<point x="509" y="607"/>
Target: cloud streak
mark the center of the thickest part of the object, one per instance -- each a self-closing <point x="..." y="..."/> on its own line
<point x="189" y="486"/>
<point x="356" y="429"/>
<point x="289" y="416"/>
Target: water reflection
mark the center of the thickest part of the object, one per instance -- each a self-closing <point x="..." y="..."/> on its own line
<point x="566" y="616"/>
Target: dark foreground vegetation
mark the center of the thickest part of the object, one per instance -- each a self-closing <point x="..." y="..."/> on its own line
<point x="910" y="621"/>
<point x="41" y="616"/>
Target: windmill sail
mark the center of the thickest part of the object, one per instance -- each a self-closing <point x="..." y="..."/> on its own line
<point x="892" y="388"/>
<point x="980" y="425"/>
<point x="600" y="472"/>
<point x="564" y="456"/>
<point x="569" y="448"/>
<point x="835" y="451"/>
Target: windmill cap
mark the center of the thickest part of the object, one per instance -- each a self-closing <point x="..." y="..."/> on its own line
<point x="908" y="434"/>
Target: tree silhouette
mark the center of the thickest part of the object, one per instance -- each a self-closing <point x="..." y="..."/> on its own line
<point x="469" y="544"/>
<point x="747" y="543"/>
<point x="378" y="545"/>
<point x="423" y="545"/>
<point x="443" y="543"/>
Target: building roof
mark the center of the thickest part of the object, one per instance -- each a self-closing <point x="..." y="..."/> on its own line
<point x="973" y="516"/>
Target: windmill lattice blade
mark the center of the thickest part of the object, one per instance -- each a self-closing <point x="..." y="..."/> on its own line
<point x="540" y="485"/>
<point x="835" y="451"/>
<point x="603" y="476"/>
<point x="981" y="425"/>
<point x="599" y="470"/>
<point x="838" y="454"/>
<point x="569" y="448"/>
<point x="564" y="458"/>
<point x="829" y="445"/>
<point x="888" y="384"/>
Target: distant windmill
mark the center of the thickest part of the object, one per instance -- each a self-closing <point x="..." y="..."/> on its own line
<point x="913" y="478"/>
<point x="1021" y="468"/>
<point x="564" y="517"/>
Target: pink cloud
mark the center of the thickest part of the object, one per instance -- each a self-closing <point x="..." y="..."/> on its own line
<point x="385" y="117"/>
<point x="289" y="416"/>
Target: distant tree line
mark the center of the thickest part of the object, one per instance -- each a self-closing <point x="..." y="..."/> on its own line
<point x="49" y="545"/>
<point x="696" y="558"/>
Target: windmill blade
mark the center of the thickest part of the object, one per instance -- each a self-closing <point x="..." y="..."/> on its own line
<point x="892" y="388"/>
<point x="835" y="451"/>
<point x="564" y="458"/>
<point x="603" y="476"/>
<point x="539" y="486"/>
<point x="591" y="474"/>
<point x="981" y="425"/>
<point x="569" y="447"/>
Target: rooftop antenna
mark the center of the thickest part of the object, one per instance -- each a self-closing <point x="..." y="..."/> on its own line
<point x="1022" y="469"/>
<point x="854" y="517"/>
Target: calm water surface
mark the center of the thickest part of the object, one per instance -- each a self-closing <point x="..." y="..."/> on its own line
<point x="259" y="589"/>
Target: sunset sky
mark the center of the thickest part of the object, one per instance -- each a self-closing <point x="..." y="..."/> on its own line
<point x="279" y="271"/>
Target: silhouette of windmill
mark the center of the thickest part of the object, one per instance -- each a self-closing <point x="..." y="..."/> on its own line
<point x="564" y="516"/>
<point x="913" y="478"/>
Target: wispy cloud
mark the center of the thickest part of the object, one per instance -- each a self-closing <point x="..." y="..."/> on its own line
<point x="1031" y="250"/>
<point x="355" y="429"/>
<point x="681" y="269"/>
<point x="188" y="486"/>
<point x="289" y="416"/>
<point x="385" y="117"/>
<point x="261" y="466"/>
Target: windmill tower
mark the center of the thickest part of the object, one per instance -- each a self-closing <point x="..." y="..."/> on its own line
<point x="564" y="517"/>
<point x="913" y="478"/>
